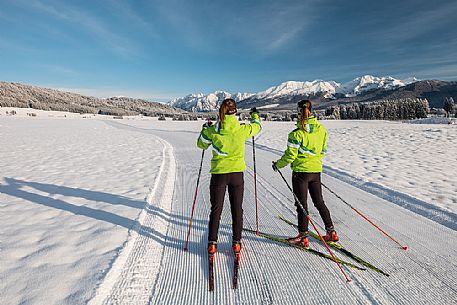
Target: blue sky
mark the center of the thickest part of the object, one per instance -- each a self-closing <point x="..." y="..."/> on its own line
<point x="166" y="49"/>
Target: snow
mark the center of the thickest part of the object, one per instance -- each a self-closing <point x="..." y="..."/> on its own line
<point x="71" y="190"/>
<point x="95" y="210"/>
<point x="295" y="87"/>
<point x="434" y="120"/>
<point x="268" y="106"/>
<point x="369" y="82"/>
<point x="209" y="102"/>
<point x="394" y="155"/>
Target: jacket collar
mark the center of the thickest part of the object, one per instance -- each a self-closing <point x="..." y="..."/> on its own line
<point x="230" y="123"/>
<point x="311" y="121"/>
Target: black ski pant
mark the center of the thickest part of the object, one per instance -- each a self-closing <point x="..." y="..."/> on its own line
<point x="218" y="185"/>
<point x="301" y="183"/>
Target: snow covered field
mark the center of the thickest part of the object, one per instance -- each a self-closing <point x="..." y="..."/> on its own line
<point x="95" y="210"/>
<point x="415" y="159"/>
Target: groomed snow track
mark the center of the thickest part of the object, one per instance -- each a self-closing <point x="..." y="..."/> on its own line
<point x="156" y="270"/>
<point x="132" y="276"/>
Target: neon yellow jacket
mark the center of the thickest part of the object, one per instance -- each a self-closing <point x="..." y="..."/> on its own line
<point x="228" y="143"/>
<point x="305" y="150"/>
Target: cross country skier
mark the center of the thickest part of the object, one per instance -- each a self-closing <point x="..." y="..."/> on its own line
<point x="306" y="145"/>
<point x="227" y="138"/>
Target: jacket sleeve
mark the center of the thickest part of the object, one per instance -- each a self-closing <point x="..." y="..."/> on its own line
<point x="324" y="145"/>
<point x="254" y="127"/>
<point x="291" y="152"/>
<point x="204" y="140"/>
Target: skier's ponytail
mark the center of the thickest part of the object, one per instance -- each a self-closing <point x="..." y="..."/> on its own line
<point x="228" y="106"/>
<point x="305" y="109"/>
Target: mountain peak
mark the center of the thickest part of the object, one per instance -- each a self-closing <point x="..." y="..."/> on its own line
<point x="291" y="88"/>
<point x="297" y="87"/>
<point x="368" y="83"/>
<point x="209" y="102"/>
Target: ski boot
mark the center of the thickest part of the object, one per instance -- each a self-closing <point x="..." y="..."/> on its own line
<point x="331" y="235"/>
<point x="300" y="240"/>
<point x="212" y="247"/>
<point x="236" y="246"/>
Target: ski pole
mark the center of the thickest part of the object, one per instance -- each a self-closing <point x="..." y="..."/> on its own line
<point x="300" y="204"/>
<point x="366" y="218"/>
<point x="195" y="199"/>
<point x="255" y="189"/>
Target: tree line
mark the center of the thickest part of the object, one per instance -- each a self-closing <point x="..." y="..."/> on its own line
<point x="25" y="96"/>
<point x="399" y="109"/>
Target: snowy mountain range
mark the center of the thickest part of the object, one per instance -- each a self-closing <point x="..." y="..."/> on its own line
<point x="209" y="102"/>
<point x="290" y="90"/>
<point x="296" y="88"/>
<point x="369" y="83"/>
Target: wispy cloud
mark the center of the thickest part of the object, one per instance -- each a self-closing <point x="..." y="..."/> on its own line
<point x="270" y="32"/>
<point x="182" y="18"/>
<point x="59" y="70"/>
<point x="441" y="68"/>
<point x="93" y="25"/>
<point x="417" y="24"/>
<point x="262" y="26"/>
<point x="17" y="47"/>
<point x="125" y="11"/>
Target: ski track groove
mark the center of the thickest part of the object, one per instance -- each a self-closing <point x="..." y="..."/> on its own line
<point x="441" y="269"/>
<point x="260" y="280"/>
<point x="131" y="278"/>
<point x="430" y="225"/>
<point x="271" y="215"/>
<point x="373" y="296"/>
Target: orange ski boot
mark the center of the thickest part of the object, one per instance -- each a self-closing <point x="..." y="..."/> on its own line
<point x="212" y="247"/>
<point x="236" y="246"/>
<point x="331" y="235"/>
<point x="300" y="240"/>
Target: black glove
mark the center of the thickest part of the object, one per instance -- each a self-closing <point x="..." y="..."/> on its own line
<point x="207" y="124"/>
<point x="253" y="110"/>
<point x="273" y="165"/>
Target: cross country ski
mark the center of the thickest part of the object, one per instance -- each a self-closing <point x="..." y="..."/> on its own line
<point x="339" y="248"/>
<point x="310" y="250"/>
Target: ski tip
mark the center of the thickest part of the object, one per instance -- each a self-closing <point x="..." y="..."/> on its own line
<point x="349" y="281"/>
<point x="405" y="247"/>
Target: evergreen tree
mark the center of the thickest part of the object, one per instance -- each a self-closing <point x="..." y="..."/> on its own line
<point x="448" y="105"/>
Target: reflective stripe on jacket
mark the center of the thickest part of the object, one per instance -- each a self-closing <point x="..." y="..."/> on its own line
<point x="305" y="150"/>
<point x="228" y="143"/>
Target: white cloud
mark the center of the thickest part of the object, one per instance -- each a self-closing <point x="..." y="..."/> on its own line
<point x="420" y="22"/>
<point x="59" y="70"/>
<point x="109" y="38"/>
<point x="262" y="26"/>
<point x="124" y="10"/>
